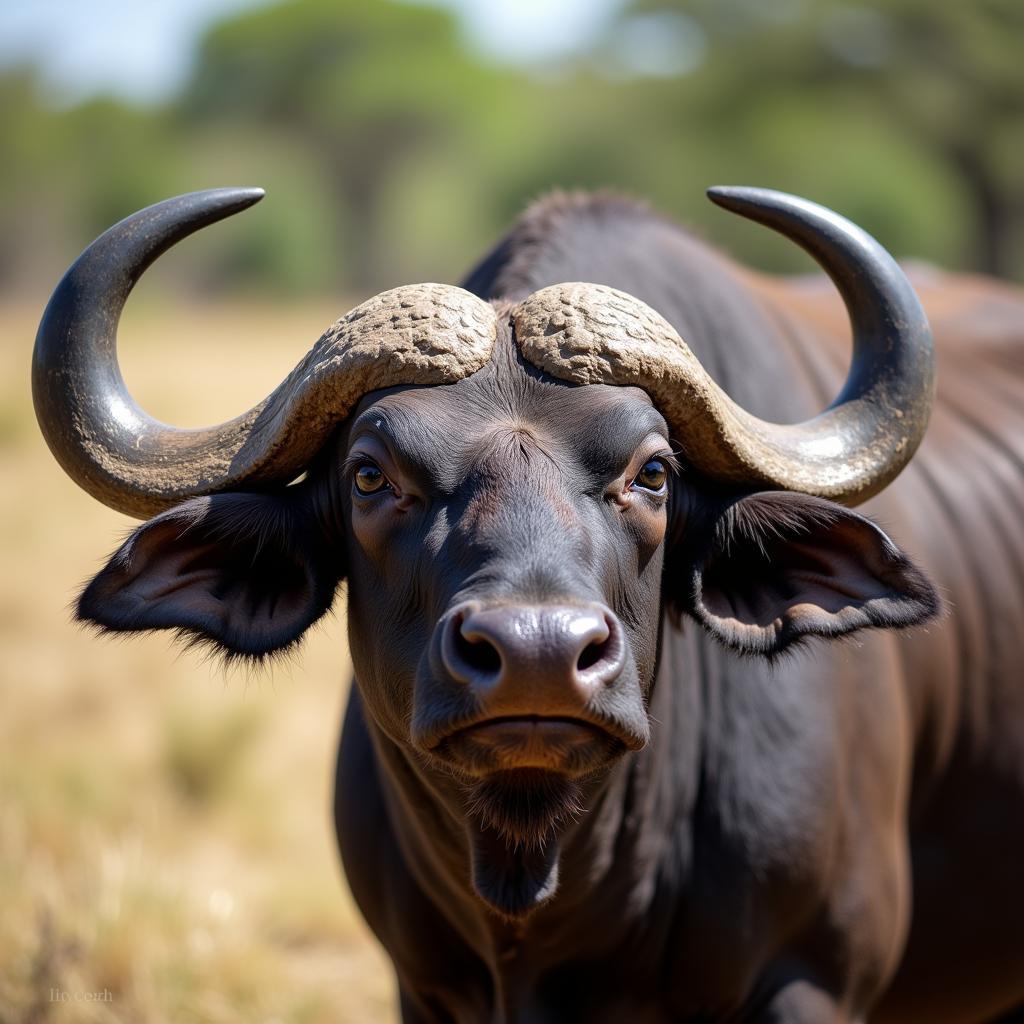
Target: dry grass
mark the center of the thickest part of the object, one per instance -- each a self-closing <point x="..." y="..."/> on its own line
<point x="166" y="843"/>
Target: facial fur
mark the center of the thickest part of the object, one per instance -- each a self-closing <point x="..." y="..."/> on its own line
<point x="504" y="490"/>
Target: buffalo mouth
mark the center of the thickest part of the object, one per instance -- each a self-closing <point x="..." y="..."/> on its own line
<point x="571" y="747"/>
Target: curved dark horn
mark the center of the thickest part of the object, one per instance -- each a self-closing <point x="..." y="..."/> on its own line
<point x="848" y="453"/>
<point x="426" y="334"/>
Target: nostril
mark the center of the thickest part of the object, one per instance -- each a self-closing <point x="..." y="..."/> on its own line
<point x="601" y="660"/>
<point x="477" y="653"/>
<point x="468" y="652"/>
<point x="592" y="654"/>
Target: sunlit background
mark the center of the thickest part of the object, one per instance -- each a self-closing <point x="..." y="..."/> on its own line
<point x="165" y="840"/>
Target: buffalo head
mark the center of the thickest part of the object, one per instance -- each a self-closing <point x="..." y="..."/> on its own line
<point x="513" y="492"/>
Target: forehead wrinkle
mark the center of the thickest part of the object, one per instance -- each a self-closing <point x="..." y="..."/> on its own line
<point x="439" y="432"/>
<point x="606" y="439"/>
<point x="512" y="470"/>
<point x="425" y="444"/>
<point x="517" y="443"/>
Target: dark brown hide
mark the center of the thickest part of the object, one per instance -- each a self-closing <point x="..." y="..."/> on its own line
<point x="583" y="777"/>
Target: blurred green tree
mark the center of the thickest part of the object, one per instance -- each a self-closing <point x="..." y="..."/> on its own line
<point x="944" y="80"/>
<point x="396" y="153"/>
<point x="369" y="89"/>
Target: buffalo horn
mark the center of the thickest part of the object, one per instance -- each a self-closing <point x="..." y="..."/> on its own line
<point x="588" y="333"/>
<point x="421" y="334"/>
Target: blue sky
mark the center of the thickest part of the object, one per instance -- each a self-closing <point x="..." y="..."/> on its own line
<point x="142" y="49"/>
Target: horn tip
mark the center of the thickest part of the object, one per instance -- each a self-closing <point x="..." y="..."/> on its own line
<point x="196" y="209"/>
<point x="222" y="202"/>
<point x="244" y="197"/>
<point x="732" y="196"/>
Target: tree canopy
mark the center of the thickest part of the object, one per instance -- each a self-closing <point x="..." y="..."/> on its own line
<point x="393" y="152"/>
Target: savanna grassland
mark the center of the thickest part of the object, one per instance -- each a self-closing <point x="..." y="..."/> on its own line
<point x="166" y="846"/>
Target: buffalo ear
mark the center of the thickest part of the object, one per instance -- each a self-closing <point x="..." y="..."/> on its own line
<point x="777" y="567"/>
<point x="248" y="573"/>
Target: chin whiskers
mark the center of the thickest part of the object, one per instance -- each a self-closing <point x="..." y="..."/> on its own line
<point x="525" y="806"/>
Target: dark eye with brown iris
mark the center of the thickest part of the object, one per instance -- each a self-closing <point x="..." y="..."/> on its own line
<point x="369" y="478"/>
<point x="652" y="477"/>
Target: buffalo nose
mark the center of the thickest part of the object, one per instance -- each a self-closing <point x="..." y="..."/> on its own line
<point x="533" y="659"/>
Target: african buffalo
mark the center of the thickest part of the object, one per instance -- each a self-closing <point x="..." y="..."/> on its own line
<point x="583" y="775"/>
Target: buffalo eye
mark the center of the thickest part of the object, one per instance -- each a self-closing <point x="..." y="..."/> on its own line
<point x="369" y="479"/>
<point x="652" y="477"/>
